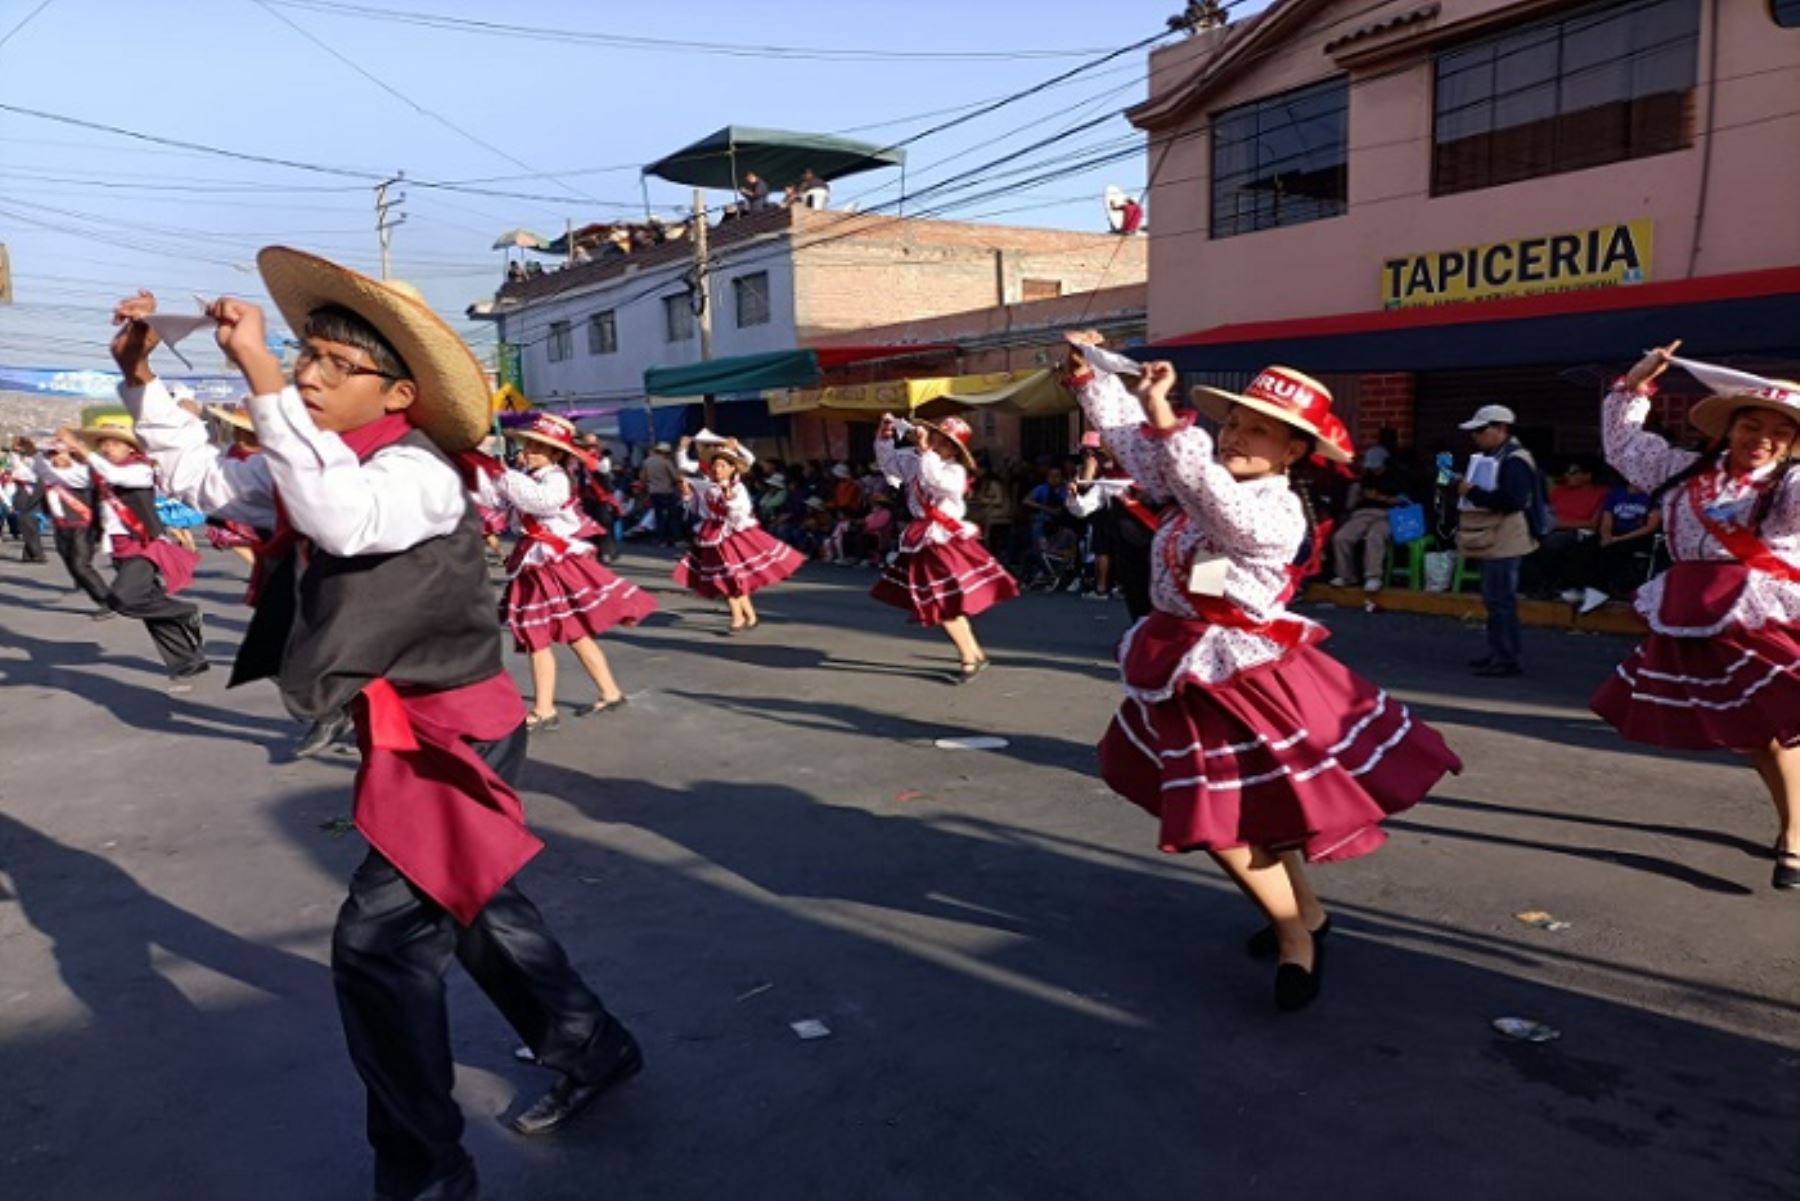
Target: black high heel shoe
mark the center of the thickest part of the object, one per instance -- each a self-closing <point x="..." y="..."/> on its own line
<point x="1295" y="987"/>
<point x="1264" y="945"/>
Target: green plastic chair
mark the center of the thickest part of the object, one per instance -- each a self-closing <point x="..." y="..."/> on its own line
<point x="1407" y="568"/>
<point x="1467" y="572"/>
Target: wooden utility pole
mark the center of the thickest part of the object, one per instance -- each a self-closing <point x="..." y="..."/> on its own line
<point x="702" y="301"/>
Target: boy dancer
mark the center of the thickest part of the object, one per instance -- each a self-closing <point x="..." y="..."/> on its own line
<point x="376" y="593"/>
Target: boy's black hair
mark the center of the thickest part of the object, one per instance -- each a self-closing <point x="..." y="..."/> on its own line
<point x="334" y="323"/>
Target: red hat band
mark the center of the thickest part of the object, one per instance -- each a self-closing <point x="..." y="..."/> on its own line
<point x="1292" y="395"/>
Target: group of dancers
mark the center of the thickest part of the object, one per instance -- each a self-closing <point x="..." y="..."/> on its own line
<point x="1236" y="731"/>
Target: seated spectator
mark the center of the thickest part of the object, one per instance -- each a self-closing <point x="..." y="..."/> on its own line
<point x="879" y="530"/>
<point x="755" y="193"/>
<point x="774" y="501"/>
<point x="515" y="271"/>
<point x="1045" y="504"/>
<point x="1625" y="546"/>
<point x="846" y="496"/>
<point x="1366" y="525"/>
<point x="1564" y="554"/>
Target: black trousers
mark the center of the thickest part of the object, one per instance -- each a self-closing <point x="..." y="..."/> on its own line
<point x="75" y="546"/>
<point x="389" y="954"/>
<point x="1131" y="566"/>
<point x="27" y="500"/>
<point x="137" y="591"/>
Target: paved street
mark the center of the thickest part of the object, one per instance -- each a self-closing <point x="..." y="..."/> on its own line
<point x="1025" y="999"/>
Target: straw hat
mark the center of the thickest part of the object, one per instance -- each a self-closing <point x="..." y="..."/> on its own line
<point x="452" y="405"/>
<point x="547" y="429"/>
<point x="1289" y="397"/>
<point x="1712" y="416"/>
<point x="959" y="434"/>
<point x="112" y="425"/>
<point x="709" y="446"/>
<point x="235" y="416"/>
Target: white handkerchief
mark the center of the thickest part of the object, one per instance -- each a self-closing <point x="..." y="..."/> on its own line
<point x="1106" y="360"/>
<point x="1206" y="577"/>
<point x="173" y="327"/>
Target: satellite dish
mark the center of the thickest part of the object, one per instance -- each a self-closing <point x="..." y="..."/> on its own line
<point x="1115" y="208"/>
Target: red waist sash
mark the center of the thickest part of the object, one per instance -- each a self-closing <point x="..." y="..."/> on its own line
<point x="429" y="803"/>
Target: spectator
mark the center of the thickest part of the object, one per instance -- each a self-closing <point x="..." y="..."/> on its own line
<point x="662" y="480"/>
<point x="1626" y="543"/>
<point x="1382" y="488"/>
<point x="1502" y="492"/>
<point x="1566" y="557"/>
<point x="846" y="496"/>
<point x="815" y="193"/>
<point x="755" y="193"/>
<point x="1046" y="504"/>
<point x="1387" y="444"/>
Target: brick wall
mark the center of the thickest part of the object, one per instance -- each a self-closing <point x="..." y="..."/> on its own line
<point x="1383" y="400"/>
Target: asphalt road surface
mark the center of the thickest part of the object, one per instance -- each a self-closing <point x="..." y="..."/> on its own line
<point x="1024" y="998"/>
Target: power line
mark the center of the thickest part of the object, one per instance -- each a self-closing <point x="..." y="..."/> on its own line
<point x="26" y="20"/>
<point x="667" y="45"/>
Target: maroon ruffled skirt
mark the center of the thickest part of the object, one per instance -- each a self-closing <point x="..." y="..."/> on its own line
<point x="937" y="582"/>
<point x="572" y="598"/>
<point x="1302" y="754"/>
<point x="1738" y="690"/>
<point x="743" y="563"/>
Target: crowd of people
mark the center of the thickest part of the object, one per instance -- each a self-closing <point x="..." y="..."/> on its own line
<point x="361" y="489"/>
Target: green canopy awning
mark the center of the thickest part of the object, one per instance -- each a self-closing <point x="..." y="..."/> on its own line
<point x="739" y="373"/>
<point x="779" y="157"/>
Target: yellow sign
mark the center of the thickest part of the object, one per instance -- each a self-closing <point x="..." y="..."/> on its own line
<point x="509" y="400"/>
<point x="892" y="396"/>
<point x="1603" y="257"/>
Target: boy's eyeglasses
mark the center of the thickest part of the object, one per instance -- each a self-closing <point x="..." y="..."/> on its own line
<point x="333" y="369"/>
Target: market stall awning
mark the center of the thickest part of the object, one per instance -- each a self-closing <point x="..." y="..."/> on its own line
<point x="766" y="372"/>
<point x="1031" y="393"/>
<point x="1752" y="312"/>
<point x="778" y="156"/>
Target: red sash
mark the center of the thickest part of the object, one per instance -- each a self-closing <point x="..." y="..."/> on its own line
<point x="532" y="532"/>
<point x="76" y="513"/>
<point x="1743" y="545"/>
<point x="139" y="531"/>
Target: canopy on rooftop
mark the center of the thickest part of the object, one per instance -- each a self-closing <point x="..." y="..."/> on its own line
<point x="765" y="372"/>
<point x="778" y="156"/>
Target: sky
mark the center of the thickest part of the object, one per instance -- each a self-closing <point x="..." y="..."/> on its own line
<point x="561" y="115"/>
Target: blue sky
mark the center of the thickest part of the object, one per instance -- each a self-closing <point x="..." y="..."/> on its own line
<point x="88" y="215"/>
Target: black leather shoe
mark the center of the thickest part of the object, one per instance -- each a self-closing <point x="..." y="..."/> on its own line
<point x="1787" y="871"/>
<point x="569" y="1096"/>
<point x="1295" y="987"/>
<point x="1264" y="945"/>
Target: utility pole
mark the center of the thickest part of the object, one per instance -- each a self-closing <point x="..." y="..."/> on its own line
<point x="385" y="220"/>
<point x="702" y="300"/>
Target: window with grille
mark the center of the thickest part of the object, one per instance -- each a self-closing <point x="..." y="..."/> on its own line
<point x="1040" y="289"/>
<point x="1281" y="160"/>
<point x="562" y="342"/>
<point x="678" y="318"/>
<point x="603" y="333"/>
<point x="750" y="296"/>
<point x="1603" y="84"/>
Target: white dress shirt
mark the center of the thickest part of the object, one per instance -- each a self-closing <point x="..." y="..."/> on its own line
<point x="119" y="475"/>
<point x="399" y="498"/>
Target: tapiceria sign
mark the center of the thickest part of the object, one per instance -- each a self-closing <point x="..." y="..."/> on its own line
<point x="1604" y="257"/>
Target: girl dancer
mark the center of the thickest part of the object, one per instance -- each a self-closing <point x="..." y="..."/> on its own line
<point x="1244" y="739"/>
<point x="149" y="569"/>
<point x="556" y="589"/>
<point x="225" y="534"/>
<point x="732" y="555"/>
<point x="1721" y="668"/>
<point x="941" y="574"/>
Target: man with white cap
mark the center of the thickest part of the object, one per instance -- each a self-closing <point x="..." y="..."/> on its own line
<point x="1498" y="528"/>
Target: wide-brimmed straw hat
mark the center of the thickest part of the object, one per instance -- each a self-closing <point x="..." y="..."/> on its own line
<point x="235" y="416"/>
<point x="453" y="400"/>
<point x="547" y="429"/>
<point x="1713" y="415"/>
<point x="957" y="432"/>
<point x="709" y="446"/>
<point x="112" y="425"/>
<point x="1289" y="397"/>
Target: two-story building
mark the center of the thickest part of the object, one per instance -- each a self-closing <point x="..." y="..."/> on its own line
<point x="780" y="280"/>
<point x="1434" y="204"/>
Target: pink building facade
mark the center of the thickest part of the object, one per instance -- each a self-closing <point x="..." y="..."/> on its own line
<point x="1438" y="205"/>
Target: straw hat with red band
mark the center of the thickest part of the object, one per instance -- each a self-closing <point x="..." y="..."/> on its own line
<point x="453" y="395"/>
<point x="1713" y="415"/>
<point x="957" y="432"/>
<point x="547" y="429"/>
<point x="709" y="446"/>
<point x="1291" y="398"/>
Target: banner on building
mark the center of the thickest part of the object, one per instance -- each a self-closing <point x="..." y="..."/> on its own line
<point x="1034" y="393"/>
<point x="89" y="384"/>
<point x="1603" y="257"/>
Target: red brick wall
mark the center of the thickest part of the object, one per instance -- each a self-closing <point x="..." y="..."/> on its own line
<point x="1383" y="400"/>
